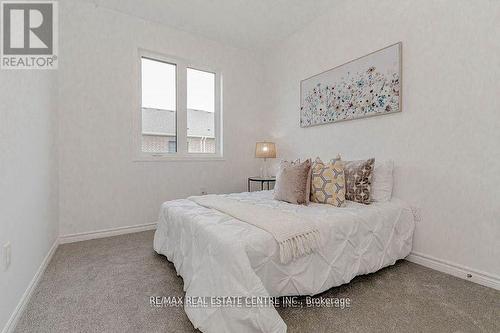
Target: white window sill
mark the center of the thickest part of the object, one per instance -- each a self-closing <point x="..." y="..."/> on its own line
<point x="177" y="158"/>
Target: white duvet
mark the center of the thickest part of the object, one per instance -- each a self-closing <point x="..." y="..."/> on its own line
<point x="218" y="255"/>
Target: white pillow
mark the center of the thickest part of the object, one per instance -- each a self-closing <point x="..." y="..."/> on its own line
<point x="382" y="181"/>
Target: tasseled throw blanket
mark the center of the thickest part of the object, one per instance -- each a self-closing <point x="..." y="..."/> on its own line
<point x="295" y="235"/>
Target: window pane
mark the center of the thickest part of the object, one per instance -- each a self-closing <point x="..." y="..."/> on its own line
<point x="158" y="85"/>
<point x="158" y="131"/>
<point x="158" y="107"/>
<point x="201" y="111"/>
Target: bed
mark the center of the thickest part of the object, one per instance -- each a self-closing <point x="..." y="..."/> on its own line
<point x="219" y="255"/>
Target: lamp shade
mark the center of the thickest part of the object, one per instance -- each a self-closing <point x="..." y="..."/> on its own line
<point x="265" y="150"/>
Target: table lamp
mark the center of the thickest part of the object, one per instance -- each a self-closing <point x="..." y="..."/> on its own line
<point x="265" y="150"/>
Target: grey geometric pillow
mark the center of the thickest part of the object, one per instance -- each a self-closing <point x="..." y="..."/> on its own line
<point x="358" y="180"/>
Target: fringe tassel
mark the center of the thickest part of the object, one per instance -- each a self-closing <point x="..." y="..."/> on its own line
<point x="298" y="246"/>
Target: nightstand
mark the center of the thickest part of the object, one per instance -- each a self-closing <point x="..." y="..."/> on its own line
<point x="261" y="180"/>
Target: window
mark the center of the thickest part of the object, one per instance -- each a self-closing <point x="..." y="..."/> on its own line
<point x="200" y="111"/>
<point x="158" y="107"/>
<point x="180" y="110"/>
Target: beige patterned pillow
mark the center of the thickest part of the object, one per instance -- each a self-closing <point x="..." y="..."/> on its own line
<point x="292" y="181"/>
<point x="328" y="183"/>
<point x="358" y="179"/>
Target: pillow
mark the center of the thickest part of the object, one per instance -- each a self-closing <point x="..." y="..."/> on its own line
<point x="308" y="185"/>
<point x="328" y="183"/>
<point x="358" y="180"/>
<point x="282" y="165"/>
<point x="382" y="181"/>
<point x="291" y="182"/>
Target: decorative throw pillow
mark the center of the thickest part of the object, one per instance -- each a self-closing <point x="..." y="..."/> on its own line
<point x="328" y="183"/>
<point x="291" y="182"/>
<point x="358" y="180"/>
<point x="308" y="185"/>
<point x="282" y="165"/>
<point x="382" y="181"/>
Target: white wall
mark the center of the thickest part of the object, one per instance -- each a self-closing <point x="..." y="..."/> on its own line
<point x="100" y="185"/>
<point x="28" y="177"/>
<point x="444" y="143"/>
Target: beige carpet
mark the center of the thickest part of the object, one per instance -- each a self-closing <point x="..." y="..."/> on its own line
<point x="104" y="285"/>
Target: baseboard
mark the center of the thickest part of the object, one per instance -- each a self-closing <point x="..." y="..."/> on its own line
<point x="14" y="318"/>
<point x="460" y="271"/>
<point x="105" y="233"/>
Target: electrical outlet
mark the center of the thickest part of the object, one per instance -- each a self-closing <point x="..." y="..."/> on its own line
<point x="6" y="256"/>
<point x="417" y="215"/>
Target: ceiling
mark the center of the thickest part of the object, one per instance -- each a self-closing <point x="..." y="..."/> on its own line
<point x="249" y="24"/>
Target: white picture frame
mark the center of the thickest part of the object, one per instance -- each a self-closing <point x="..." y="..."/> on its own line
<point x="364" y="87"/>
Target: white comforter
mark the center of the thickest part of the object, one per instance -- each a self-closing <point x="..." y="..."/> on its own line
<point x="218" y="255"/>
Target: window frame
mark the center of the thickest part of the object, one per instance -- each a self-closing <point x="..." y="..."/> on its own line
<point x="182" y="154"/>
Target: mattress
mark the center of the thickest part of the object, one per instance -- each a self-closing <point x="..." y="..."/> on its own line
<point x="220" y="256"/>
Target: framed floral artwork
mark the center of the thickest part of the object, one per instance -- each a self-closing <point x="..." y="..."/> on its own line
<point x="364" y="87"/>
